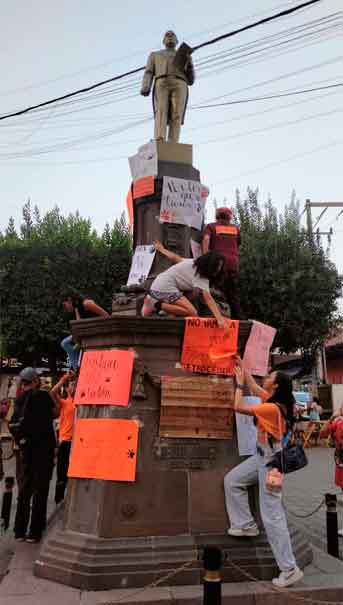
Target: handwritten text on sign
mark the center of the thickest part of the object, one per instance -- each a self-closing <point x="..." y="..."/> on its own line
<point x="182" y="202"/>
<point x="105" y="377"/>
<point x="141" y="264"/>
<point x="207" y="349"/>
<point x="104" y="448"/>
<point x="256" y="355"/>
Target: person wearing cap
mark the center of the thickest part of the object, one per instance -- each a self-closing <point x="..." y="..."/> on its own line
<point x="224" y="237"/>
<point x="32" y="428"/>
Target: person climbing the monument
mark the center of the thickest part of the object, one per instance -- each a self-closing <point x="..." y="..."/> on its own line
<point x="79" y="307"/>
<point x="66" y="406"/>
<point x="272" y="417"/>
<point x="224" y="237"/>
<point x="167" y="292"/>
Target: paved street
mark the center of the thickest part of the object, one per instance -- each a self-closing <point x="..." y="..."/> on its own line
<point x="306" y="489"/>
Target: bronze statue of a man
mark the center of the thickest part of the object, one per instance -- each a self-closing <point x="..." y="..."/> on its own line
<point x="170" y="92"/>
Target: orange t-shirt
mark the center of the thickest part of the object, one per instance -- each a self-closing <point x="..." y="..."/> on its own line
<point x="269" y="421"/>
<point x="66" y="419"/>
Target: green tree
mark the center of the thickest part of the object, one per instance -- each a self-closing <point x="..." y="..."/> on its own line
<point x="51" y="252"/>
<point x="287" y="280"/>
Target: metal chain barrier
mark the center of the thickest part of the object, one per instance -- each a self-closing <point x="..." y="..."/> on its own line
<point x="154" y="584"/>
<point x="313" y="512"/>
<point x="270" y="587"/>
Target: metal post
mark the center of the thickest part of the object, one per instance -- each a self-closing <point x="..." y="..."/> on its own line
<point x="212" y="558"/>
<point x="332" y="525"/>
<point x="7" y="502"/>
<point x="309" y="217"/>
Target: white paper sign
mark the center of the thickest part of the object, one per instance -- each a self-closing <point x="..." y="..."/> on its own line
<point x="246" y="430"/>
<point x="141" y="264"/>
<point x="196" y="248"/>
<point x="144" y="163"/>
<point x="182" y="202"/>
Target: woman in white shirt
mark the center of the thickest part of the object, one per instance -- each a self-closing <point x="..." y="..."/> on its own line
<point x="167" y="290"/>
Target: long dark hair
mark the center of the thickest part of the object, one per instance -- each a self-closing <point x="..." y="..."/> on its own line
<point x="283" y="395"/>
<point x="73" y="294"/>
<point x="207" y="265"/>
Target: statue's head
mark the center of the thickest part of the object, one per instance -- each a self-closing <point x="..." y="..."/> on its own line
<point x="170" y="40"/>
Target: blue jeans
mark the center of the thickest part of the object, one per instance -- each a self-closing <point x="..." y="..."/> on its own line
<point x="68" y="345"/>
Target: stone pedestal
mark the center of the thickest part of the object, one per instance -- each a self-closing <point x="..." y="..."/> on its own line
<point x="174" y="160"/>
<point x="117" y="534"/>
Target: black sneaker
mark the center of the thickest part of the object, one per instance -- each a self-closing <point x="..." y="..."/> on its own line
<point x="20" y="538"/>
<point x="33" y="539"/>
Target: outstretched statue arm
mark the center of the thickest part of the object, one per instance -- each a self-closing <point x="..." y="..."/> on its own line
<point x="148" y="76"/>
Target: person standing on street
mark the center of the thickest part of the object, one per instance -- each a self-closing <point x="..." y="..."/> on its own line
<point x="334" y="429"/>
<point x="224" y="237"/>
<point x="67" y="414"/>
<point x="32" y="428"/>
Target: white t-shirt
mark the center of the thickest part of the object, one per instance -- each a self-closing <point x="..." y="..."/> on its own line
<point x="180" y="278"/>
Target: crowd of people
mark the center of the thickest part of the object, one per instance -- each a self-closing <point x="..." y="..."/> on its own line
<point x="32" y="423"/>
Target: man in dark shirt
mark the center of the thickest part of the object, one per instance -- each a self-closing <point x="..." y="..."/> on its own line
<point x="32" y="428"/>
<point x="224" y="237"/>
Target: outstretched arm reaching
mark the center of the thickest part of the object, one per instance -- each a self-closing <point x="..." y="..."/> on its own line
<point x="175" y="258"/>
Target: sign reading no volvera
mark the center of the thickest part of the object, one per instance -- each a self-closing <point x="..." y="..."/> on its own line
<point x="182" y="202"/>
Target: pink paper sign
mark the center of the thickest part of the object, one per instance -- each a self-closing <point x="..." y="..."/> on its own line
<point x="257" y="349"/>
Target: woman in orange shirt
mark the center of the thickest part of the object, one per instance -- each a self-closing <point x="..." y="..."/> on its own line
<point x="278" y="402"/>
<point x="67" y="414"/>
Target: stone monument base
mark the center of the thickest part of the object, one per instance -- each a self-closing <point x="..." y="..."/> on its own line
<point x="91" y="563"/>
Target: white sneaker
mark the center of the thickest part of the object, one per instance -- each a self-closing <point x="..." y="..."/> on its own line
<point x="249" y="532"/>
<point x="287" y="578"/>
<point x="340" y="533"/>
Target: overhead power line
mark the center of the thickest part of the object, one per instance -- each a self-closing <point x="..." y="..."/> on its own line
<point x="283" y="13"/>
<point x="276" y="96"/>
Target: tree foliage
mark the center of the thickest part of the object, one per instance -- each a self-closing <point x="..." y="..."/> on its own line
<point x="36" y="263"/>
<point x="287" y="280"/>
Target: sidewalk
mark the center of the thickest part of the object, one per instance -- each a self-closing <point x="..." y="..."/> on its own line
<point x="304" y="491"/>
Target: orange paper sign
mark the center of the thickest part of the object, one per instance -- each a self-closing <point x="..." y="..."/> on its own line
<point x="105" y="377"/>
<point x="207" y="349"/>
<point x="104" y="448"/>
<point x="144" y="186"/>
<point x="129" y="206"/>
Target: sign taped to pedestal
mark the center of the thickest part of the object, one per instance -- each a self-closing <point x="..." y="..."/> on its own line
<point x="141" y="264"/>
<point x="182" y="202"/>
<point x="207" y="349"/>
<point x="145" y="162"/>
<point x="196" y="407"/>
<point x="105" y="377"/>
<point x="143" y="187"/>
<point x="256" y="354"/>
<point x="105" y="449"/>
<point x="196" y="248"/>
<point x="246" y="429"/>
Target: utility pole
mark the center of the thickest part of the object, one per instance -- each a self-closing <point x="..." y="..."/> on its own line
<point x="309" y="217"/>
<point x="321" y="369"/>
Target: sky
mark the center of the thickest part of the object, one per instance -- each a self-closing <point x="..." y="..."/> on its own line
<point x="75" y="154"/>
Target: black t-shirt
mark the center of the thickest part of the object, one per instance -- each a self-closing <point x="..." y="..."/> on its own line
<point x="34" y="411"/>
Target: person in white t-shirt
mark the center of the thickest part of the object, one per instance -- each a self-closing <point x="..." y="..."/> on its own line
<point x="167" y="290"/>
